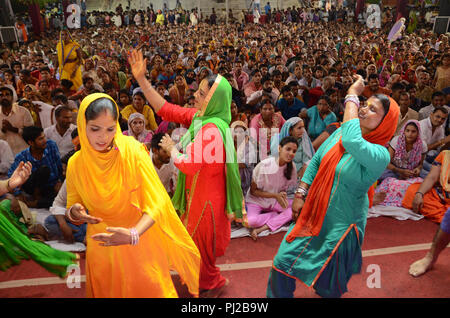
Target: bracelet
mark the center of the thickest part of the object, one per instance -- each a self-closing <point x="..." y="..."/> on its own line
<point x="134" y="236"/>
<point x="302" y="191"/>
<point x="8" y="188"/>
<point x="353" y="99"/>
<point x="299" y="196"/>
<point x="419" y="193"/>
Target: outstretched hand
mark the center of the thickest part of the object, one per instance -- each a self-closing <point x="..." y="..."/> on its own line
<point x="138" y="64"/>
<point x="20" y="175"/>
<point x="117" y="236"/>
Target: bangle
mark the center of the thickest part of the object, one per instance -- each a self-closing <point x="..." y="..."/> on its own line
<point x="299" y="196"/>
<point x="8" y="188"/>
<point x="352" y="98"/>
<point x="419" y="193"/>
<point x="134" y="236"/>
<point x="301" y="191"/>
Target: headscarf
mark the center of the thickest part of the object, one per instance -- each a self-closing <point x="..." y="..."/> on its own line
<point x="131" y="181"/>
<point x="415" y="155"/>
<point x="64" y="50"/>
<point x="284" y="132"/>
<point x="144" y="133"/>
<point x="310" y="221"/>
<point x="217" y="110"/>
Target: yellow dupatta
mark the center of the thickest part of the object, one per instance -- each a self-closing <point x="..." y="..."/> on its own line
<point x="120" y="185"/>
<point x="67" y="52"/>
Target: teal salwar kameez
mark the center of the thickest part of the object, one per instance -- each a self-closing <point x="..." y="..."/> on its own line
<point x="326" y="262"/>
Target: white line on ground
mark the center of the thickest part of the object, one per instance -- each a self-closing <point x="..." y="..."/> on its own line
<point x="223" y="267"/>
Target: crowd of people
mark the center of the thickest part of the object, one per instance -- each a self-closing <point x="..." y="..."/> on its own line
<point x="289" y="77"/>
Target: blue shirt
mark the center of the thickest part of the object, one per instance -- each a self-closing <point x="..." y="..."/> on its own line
<point x="316" y="124"/>
<point x="50" y="159"/>
<point x="289" y="111"/>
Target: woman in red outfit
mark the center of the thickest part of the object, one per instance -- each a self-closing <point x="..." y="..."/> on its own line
<point x="208" y="191"/>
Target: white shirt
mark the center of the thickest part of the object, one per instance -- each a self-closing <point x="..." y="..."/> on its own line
<point x="168" y="174"/>
<point x="19" y="117"/>
<point x="59" y="204"/>
<point x="427" y="135"/>
<point x="426" y="111"/>
<point x="47" y="114"/>
<point x="6" y="159"/>
<point x="64" y="142"/>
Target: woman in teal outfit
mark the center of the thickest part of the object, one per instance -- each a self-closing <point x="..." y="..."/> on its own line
<point x="323" y="248"/>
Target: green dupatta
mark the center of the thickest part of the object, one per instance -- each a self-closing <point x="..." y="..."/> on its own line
<point x="217" y="111"/>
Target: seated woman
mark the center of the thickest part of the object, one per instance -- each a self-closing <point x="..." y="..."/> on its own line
<point x="139" y="106"/>
<point x="264" y="124"/>
<point x="295" y="127"/>
<point x="320" y="116"/>
<point x="407" y="152"/>
<point x="246" y="153"/>
<point x="136" y="128"/>
<point x="268" y="207"/>
<point x="431" y="197"/>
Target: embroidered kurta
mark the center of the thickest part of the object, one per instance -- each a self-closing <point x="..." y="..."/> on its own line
<point x="205" y="217"/>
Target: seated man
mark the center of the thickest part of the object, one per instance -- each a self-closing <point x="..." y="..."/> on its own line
<point x="57" y="225"/>
<point x="373" y="87"/>
<point x="288" y="104"/>
<point x="406" y="112"/>
<point x="13" y="118"/>
<point x="433" y="133"/>
<point x="437" y="100"/>
<point x="163" y="164"/>
<point x="61" y="131"/>
<point x="46" y="174"/>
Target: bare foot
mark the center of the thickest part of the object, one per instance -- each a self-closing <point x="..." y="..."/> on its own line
<point x="379" y="197"/>
<point x="421" y="266"/>
<point x="254" y="235"/>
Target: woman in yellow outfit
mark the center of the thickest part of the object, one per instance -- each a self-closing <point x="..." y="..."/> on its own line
<point x="69" y="59"/>
<point x="134" y="236"/>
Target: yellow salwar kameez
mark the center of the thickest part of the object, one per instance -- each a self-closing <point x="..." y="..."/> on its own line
<point x="67" y="59"/>
<point x="118" y="187"/>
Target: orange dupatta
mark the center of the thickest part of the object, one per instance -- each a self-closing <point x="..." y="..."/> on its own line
<point x="314" y="210"/>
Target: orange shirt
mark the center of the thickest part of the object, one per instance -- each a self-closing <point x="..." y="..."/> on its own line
<point x="367" y="92"/>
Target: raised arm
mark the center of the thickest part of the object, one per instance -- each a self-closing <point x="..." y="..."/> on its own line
<point x="139" y="68"/>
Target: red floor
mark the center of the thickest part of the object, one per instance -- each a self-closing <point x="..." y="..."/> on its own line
<point x="251" y="282"/>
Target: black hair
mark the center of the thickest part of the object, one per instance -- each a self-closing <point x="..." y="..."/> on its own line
<point x="61" y="97"/>
<point x="66" y="83"/>
<point x="74" y="133"/>
<point x="385" y="101"/>
<point x="156" y="139"/>
<point x="30" y="133"/>
<point x="398" y="86"/>
<point x="86" y="79"/>
<point x="61" y="109"/>
<point x="99" y="106"/>
<point x="438" y="93"/>
<point x="290" y="165"/>
<point x="372" y="76"/>
<point x="441" y="109"/>
<point x="326" y="98"/>
<point x="211" y="80"/>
